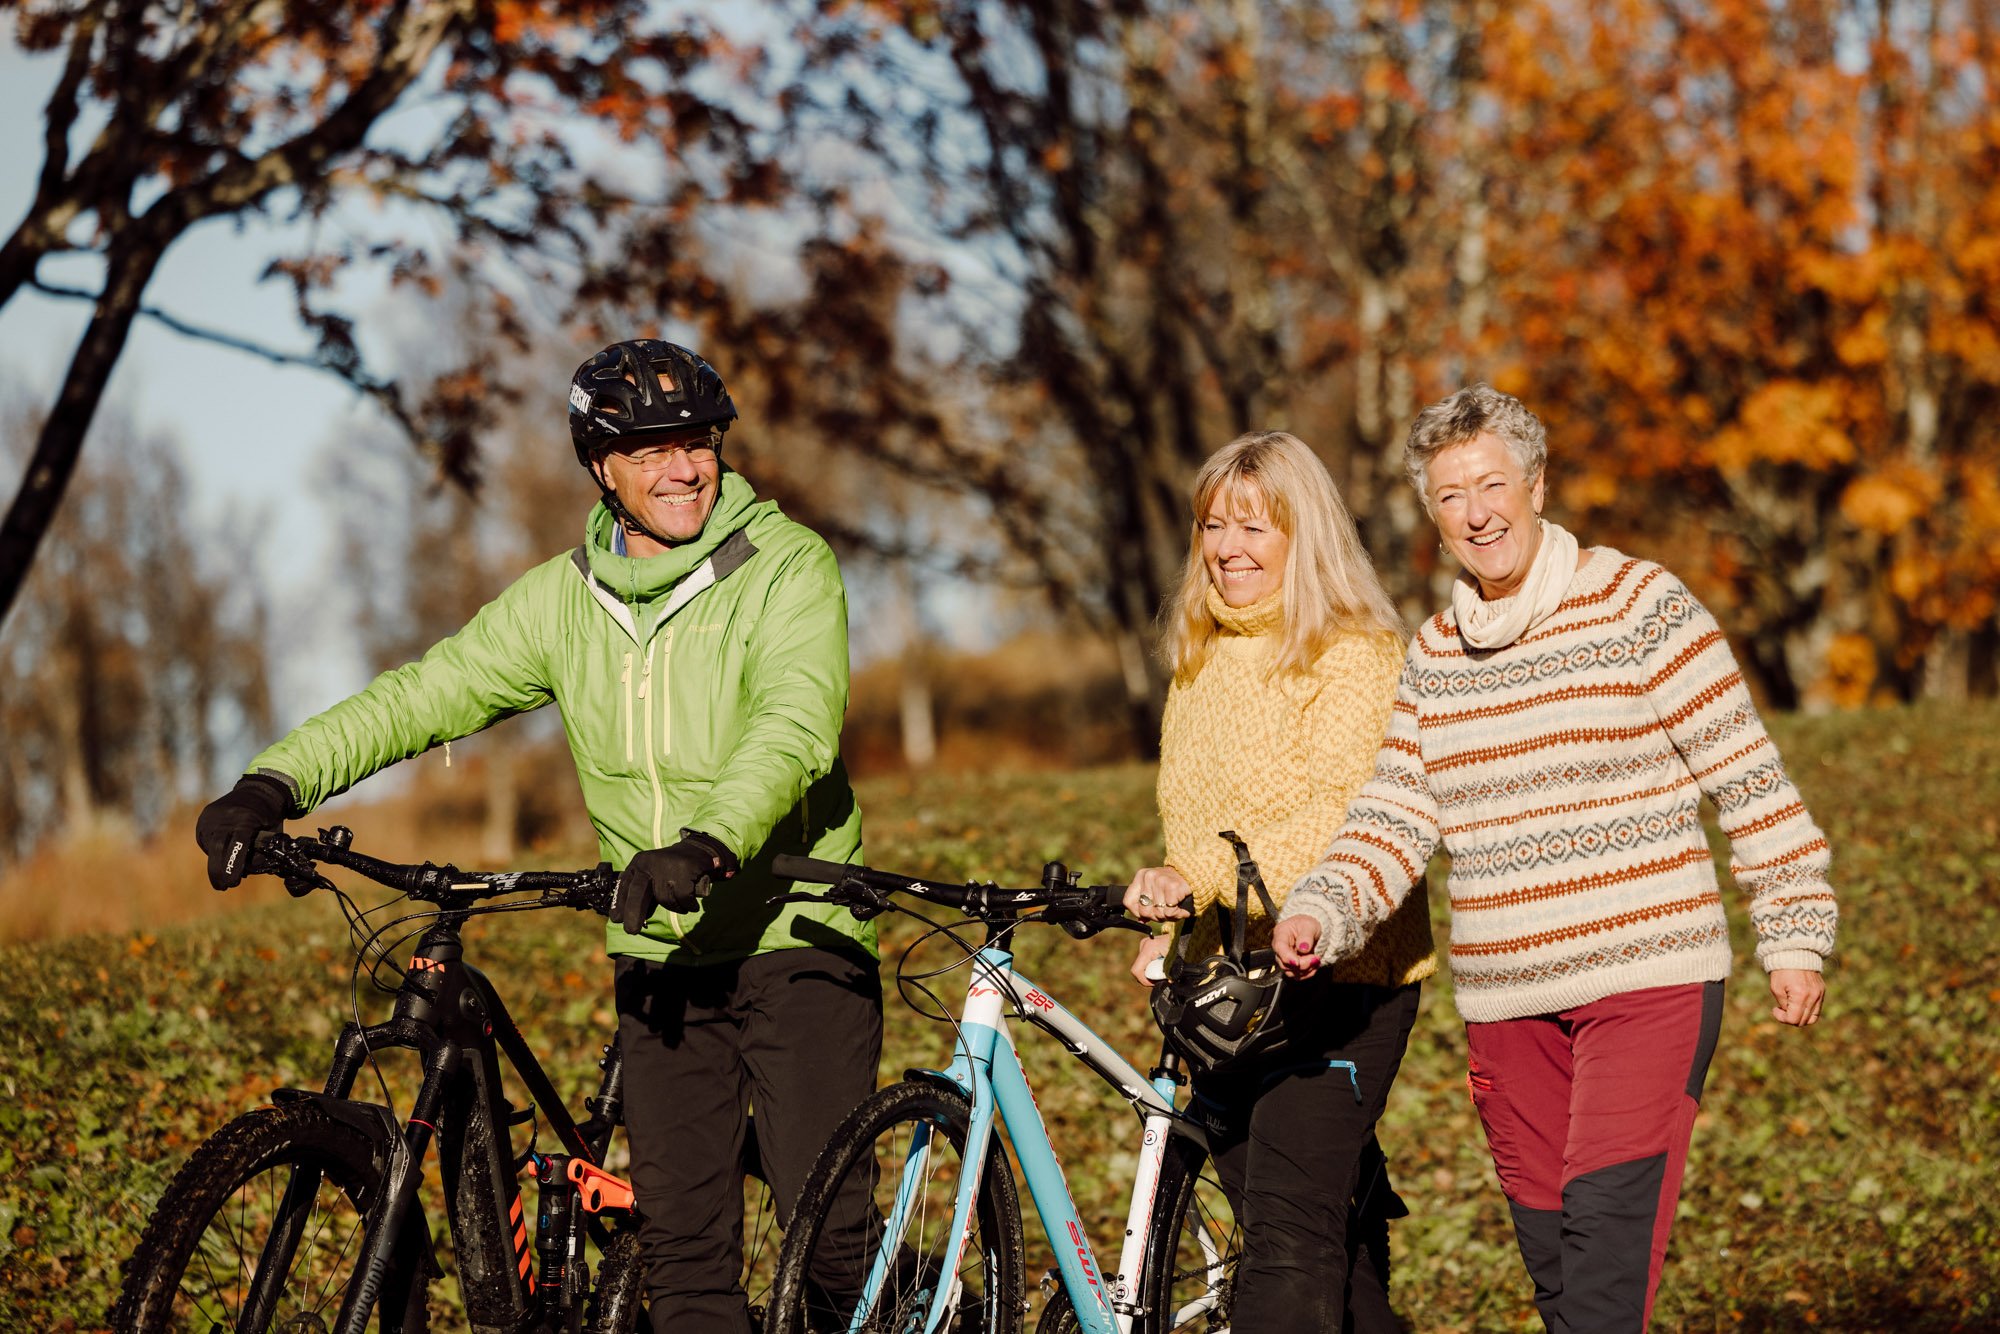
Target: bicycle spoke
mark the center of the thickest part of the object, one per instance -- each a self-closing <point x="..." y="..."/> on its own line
<point x="334" y="1270"/>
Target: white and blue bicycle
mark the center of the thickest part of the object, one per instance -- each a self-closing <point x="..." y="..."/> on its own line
<point x="911" y="1222"/>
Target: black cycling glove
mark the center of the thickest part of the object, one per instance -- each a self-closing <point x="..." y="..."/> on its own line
<point x="671" y="878"/>
<point x="227" y="827"/>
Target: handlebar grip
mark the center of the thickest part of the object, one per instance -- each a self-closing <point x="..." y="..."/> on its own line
<point x="811" y="869"/>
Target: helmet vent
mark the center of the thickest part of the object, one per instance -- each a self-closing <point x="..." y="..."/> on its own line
<point x="644" y="385"/>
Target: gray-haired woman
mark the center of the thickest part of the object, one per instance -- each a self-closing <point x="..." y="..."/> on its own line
<point x="1555" y="729"/>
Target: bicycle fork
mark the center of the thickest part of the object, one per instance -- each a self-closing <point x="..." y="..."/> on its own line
<point x="400" y="1189"/>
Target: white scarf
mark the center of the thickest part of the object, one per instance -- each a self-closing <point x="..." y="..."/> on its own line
<point x="1500" y="622"/>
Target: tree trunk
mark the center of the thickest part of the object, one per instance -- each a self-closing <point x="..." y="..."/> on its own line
<point x="917" y="716"/>
<point x="54" y="459"/>
<point x="503" y="804"/>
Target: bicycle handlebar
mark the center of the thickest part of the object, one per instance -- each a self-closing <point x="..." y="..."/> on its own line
<point x="296" y="860"/>
<point x="1081" y="910"/>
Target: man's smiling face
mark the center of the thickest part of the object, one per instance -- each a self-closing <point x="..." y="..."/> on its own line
<point x="667" y="481"/>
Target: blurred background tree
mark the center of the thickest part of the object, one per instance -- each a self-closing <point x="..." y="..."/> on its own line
<point x="1752" y="285"/>
<point x="164" y="118"/>
<point x="137" y="656"/>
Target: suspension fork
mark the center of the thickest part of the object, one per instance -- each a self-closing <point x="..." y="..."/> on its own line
<point x="407" y="1153"/>
<point x="274" y="1261"/>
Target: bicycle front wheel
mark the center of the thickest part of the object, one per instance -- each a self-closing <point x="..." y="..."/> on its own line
<point x="262" y="1232"/>
<point x="1191" y="1250"/>
<point x="872" y="1231"/>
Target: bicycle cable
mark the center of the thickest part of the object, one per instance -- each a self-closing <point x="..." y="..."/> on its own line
<point x="906" y="980"/>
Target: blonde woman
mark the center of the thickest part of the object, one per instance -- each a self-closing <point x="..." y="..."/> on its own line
<point x="1286" y="654"/>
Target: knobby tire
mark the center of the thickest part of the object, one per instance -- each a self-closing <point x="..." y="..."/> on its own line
<point x="200" y="1254"/>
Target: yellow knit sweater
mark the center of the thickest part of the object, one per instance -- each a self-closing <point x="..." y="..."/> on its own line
<point x="1277" y="759"/>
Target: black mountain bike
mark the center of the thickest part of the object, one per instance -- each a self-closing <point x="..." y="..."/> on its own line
<point x="304" y="1217"/>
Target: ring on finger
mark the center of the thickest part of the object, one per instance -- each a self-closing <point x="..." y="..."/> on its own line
<point x="1145" y="900"/>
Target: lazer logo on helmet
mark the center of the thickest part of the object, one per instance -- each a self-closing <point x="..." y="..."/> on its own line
<point x="579" y="399"/>
<point x="1210" y="996"/>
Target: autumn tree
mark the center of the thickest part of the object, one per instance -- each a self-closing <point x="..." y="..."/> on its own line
<point x="163" y="118"/>
<point x="1112" y="237"/>
<point x="1749" y="266"/>
<point x="135" y="659"/>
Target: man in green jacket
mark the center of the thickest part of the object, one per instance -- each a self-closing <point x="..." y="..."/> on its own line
<point x="696" y="644"/>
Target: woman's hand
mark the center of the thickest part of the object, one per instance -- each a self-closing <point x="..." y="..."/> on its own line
<point x="1799" y="993"/>
<point x="1155" y="894"/>
<point x="1150" y="949"/>
<point x="1295" y="940"/>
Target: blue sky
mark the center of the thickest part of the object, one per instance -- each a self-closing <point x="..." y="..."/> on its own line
<point x="249" y="430"/>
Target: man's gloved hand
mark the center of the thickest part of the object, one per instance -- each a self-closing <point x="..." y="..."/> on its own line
<point x="227" y="827"/>
<point x="671" y="878"/>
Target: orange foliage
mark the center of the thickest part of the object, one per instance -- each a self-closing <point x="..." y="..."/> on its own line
<point x="1787" y="308"/>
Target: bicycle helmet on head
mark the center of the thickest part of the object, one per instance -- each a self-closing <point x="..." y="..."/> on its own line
<point x="1224" y="1009"/>
<point x="640" y="387"/>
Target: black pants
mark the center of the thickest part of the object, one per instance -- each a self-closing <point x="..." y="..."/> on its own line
<point x="796" y="1034"/>
<point x="1295" y="1150"/>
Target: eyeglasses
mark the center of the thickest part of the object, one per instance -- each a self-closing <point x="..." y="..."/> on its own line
<point x="660" y="457"/>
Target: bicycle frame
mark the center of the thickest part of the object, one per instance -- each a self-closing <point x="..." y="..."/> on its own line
<point x="986" y="1068"/>
<point x="450" y="1014"/>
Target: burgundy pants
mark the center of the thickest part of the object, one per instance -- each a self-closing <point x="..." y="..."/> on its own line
<point x="1588" y="1113"/>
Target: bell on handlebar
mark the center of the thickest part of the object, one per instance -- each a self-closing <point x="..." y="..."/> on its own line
<point x="1056" y="876"/>
<point x="339" y="837"/>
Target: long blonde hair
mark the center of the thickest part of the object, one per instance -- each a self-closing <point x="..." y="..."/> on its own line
<point x="1329" y="587"/>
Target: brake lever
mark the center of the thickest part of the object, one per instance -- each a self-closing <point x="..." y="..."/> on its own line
<point x="863" y="906"/>
<point x="1083" y="928"/>
<point x="277" y="854"/>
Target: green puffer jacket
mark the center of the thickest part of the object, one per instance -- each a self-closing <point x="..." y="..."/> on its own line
<point x="701" y="688"/>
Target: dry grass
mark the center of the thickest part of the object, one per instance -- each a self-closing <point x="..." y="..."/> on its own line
<point x="104" y="880"/>
<point x="109" y="880"/>
<point x="1042" y="700"/>
<point x="1840" y="1179"/>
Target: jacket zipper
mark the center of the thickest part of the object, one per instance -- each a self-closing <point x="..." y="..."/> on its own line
<point x="652" y="770"/>
<point x="627" y="680"/>
<point x="646" y="693"/>
<point x="666" y="695"/>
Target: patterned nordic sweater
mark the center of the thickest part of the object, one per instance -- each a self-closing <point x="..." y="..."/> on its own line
<point x="1277" y="761"/>
<point x="1563" y="773"/>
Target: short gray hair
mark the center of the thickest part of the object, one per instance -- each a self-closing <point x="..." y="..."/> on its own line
<point x="1469" y="412"/>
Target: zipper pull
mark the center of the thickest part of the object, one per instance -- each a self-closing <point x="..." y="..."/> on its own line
<point x="447" y="754"/>
<point x="626" y="677"/>
<point x="646" y="676"/>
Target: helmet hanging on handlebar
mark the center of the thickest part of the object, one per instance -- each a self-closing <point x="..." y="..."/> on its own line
<point x="1223" y="1009"/>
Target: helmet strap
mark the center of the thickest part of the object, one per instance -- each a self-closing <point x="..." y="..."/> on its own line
<point x="629" y="520"/>
<point x="625" y="517"/>
<point x="617" y="506"/>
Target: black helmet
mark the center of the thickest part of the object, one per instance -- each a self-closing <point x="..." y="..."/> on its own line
<point x="1223" y="1009"/>
<point x="642" y="386"/>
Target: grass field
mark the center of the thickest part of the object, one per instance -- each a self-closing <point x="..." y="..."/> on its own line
<point x="1840" y="1179"/>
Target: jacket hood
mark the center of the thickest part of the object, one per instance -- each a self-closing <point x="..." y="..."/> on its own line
<point x="646" y="577"/>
